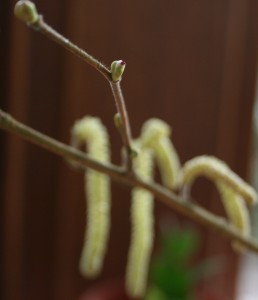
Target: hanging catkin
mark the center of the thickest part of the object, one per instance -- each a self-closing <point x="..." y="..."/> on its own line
<point x="142" y="228"/>
<point x="92" y="132"/>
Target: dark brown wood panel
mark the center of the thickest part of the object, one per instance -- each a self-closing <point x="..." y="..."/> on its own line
<point x="235" y="114"/>
<point x="191" y="63"/>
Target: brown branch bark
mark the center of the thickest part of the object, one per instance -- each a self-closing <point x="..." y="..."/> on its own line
<point x="173" y="201"/>
<point x="41" y="26"/>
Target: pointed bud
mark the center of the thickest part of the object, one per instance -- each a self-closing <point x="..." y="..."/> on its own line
<point x="117" y="69"/>
<point x="26" y="11"/>
<point x="117" y="120"/>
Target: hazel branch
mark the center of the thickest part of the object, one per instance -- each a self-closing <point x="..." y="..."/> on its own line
<point x="171" y="200"/>
<point x="26" y="11"/>
<point x="124" y="126"/>
<point x="52" y="34"/>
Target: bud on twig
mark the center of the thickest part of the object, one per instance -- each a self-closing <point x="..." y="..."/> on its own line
<point x="117" y="69"/>
<point x="26" y="11"/>
<point x="117" y="120"/>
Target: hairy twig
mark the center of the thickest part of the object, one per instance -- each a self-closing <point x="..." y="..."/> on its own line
<point x="173" y="201"/>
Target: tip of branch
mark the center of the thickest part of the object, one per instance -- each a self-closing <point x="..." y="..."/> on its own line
<point x="26" y="11"/>
<point x="117" y="69"/>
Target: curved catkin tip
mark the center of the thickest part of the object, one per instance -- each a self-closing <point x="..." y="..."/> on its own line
<point x="155" y="135"/>
<point x="142" y="230"/>
<point x="154" y="129"/>
<point x="216" y="170"/>
<point x="237" y="213"/>
<point x="26" y="11"/>
<point x="92" y="132"/>
<point x="168" y="162"/>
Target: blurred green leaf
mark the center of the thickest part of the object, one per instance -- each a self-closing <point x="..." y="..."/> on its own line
<point x="170" y="271"/>
<point x="172" y="276"/>
<point x="154" y="293"/>
<point x="179" y="245"/>
<point x="173" y="280"/>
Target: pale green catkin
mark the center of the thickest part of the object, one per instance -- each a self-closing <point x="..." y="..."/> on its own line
<point x="142" y="228"/>
<point x="218" y="171"/>
<point x="155" y="135"/>
<point x="237" y="212"/>
<point x="92" y="132"/>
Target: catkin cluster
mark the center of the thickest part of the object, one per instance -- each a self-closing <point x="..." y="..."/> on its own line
<point x="153" y="147"/>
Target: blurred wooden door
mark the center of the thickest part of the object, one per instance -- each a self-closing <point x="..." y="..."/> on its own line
<point x="191" y="63"/>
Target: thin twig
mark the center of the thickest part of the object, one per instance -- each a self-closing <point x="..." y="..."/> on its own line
<point x="42" y="27"/>
<point x="173" y="201"/>
<point x="52" y="34"/>
<point x="125" y="131"/>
